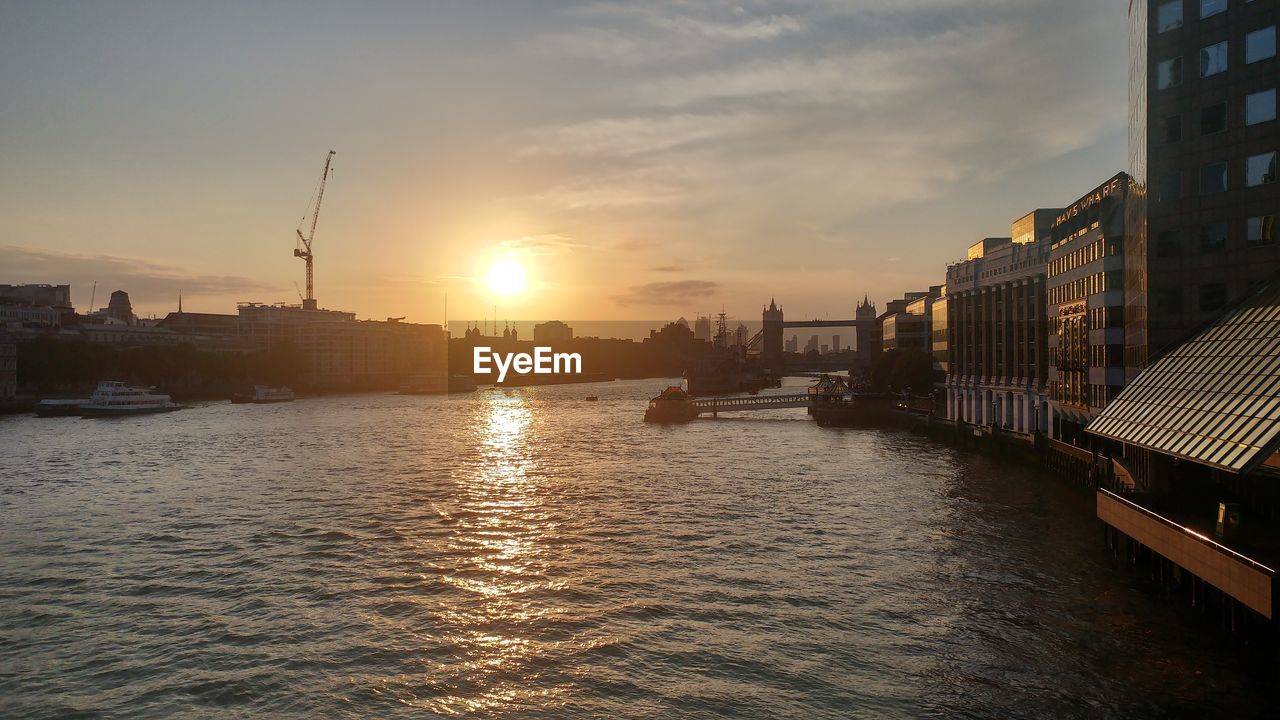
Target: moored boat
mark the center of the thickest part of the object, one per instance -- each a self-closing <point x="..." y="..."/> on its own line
<point x="264" y="394"/>
<point x="59" y="407"/>
<point x="113" y="398"/>
<point x="672" y="405"/>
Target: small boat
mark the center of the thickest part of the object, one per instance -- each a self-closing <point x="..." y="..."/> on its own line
<point x="672" y="405"/>
<point x="59" y="407"/>
<point x="264" y="394"/>
<point x="113" y="398"/>
<point x="592" y="398"/>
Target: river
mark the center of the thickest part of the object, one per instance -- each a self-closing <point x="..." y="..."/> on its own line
<point x="529" y="553"/>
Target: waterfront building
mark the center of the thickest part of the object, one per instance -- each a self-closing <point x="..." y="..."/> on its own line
<point x="552" y="331"/>
<point x="905" y="322"/>
<point x="996" y="345"/>
<point x="940" y="346"/>
<point x="341" y="352"/>
<point x="1199" y="430"/>
<point x="1202" y="147"/>
<point x="1087" y="308"/>
<point x="8" y="370"/>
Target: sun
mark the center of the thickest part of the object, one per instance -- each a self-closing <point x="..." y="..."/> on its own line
<point x="506" y="277"/>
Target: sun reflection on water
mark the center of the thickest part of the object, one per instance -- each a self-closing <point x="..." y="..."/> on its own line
<point x="500" y="566"/>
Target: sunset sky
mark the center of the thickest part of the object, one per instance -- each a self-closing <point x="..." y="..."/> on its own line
<point x="637" y="160"/>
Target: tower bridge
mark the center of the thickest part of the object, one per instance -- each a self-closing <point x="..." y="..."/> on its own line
<point x="771" y="343"/>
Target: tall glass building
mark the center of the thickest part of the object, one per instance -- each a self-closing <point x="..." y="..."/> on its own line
<point x="1202" y="157"/>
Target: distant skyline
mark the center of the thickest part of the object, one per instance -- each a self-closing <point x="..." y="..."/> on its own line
<point x="639" y="160"/>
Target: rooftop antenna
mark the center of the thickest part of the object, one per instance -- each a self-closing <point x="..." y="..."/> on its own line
<point x="179" y="302"/>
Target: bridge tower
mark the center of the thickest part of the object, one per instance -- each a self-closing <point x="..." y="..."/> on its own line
<point x="771" y="353"/>
<point x="866" y="333"/>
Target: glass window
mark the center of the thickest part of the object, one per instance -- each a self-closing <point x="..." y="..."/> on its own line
<point x="1211" y="7"/>
<point x="1260" y="169"/>
<point x="1213" y="237"/>
<point x="1213" y="59"/>
<point x="1261" y="230"/>
<point x="1260" y="107"/>
<point x="1169" y="73"/>
<point x="1213" y="118"/>
<point x="1167" y="244"/>
<point x="1173" y="128"/>
<point x="1213" y="178"/>
<point x="1170" y="188"/>
<point x="1212" y="296"/>
<point x="1260" y="44"/>
<point x="1169" y="16"/>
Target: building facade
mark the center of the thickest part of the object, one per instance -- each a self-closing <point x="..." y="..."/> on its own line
<point x="1203" y="144"/>
<point x="996" y="344"/>
<point x="38" y="295"/>
<point x="342" y="352"/>
<point x="1087" y="308"/>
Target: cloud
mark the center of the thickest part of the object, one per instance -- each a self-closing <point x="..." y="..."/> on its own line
<point x="666" y="269"/>
<point x="635" y="33"/>
<point x="546" y="244"/>
<point x="847" y="111"/>
<point x="144" y="280"/>
<point x="667" y="293"/>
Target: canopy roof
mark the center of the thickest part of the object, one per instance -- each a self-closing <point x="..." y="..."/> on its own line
<point x="1215" y="399"/>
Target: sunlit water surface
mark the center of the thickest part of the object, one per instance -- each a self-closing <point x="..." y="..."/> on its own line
<point x="530" y="553"/>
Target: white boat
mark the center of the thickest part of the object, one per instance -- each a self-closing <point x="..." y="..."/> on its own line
<point x="113" y="398"/>
<point x="263" y="394"/>
<point x="56" y="407"/>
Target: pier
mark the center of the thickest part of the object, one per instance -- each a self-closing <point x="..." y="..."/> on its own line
<point x="716" y="405"/>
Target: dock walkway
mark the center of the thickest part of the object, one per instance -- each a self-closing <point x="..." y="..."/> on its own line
<point x="716" y="405"/>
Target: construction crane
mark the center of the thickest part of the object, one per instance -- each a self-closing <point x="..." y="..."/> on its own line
<point x="304" y="241"/>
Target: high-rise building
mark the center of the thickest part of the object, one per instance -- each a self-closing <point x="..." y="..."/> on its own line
<point x="1202" y="152"/>
<point x="702" y="327"/>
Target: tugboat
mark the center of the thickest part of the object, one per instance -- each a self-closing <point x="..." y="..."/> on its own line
<point x="838" y="402"/>
<point x="263" y="394"/>
<point x="672" y="405"/>
<point x="113" y="398"/>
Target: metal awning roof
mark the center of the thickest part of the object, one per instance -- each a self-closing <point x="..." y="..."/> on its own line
<point x="1215" y="399"/>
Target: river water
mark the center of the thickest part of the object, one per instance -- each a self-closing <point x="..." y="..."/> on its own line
<point x="528" y="553"/>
